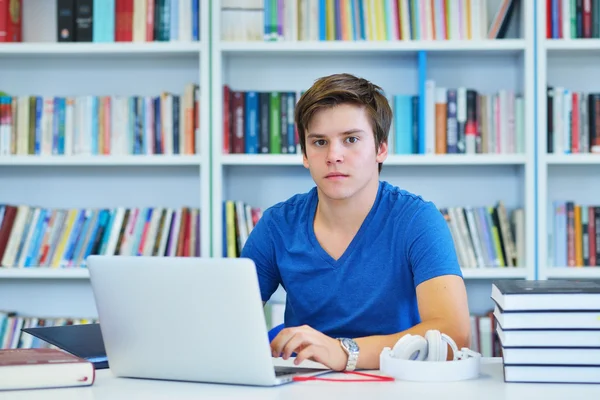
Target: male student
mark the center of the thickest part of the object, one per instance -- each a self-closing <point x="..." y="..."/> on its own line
<point x="362" y="262"/>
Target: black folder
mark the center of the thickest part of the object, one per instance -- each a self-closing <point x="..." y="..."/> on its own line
<point x="84" y="341"/>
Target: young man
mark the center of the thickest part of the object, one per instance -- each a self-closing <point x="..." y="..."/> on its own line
<point x="362" y="262"/>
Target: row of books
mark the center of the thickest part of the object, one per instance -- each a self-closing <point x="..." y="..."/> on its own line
<point x="457" y="121"/>
<point x="111" y="20"/>
<point x="575" y="237"/>
<point x="239" y="219"/>
<point x="100" y="125"/>
<point x="484" y="237"/>
<point x="355" y="20"/>
<point x="127" y="20"/>
<point x="32" y="236"/>
<point x="573" y="119"/>
<point x="548" y="330"/>
<point x="572" y="19"/>
<point x="11" y="323"/>
<point x="487" y="237"/>
<point x="259" y="122"/>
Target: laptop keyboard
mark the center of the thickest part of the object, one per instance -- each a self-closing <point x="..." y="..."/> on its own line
<point x="279" y="371"/>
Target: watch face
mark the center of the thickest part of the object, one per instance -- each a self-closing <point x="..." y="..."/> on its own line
<point x="350" y="344"/>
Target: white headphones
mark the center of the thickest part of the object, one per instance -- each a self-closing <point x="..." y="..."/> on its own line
<point x="419" y="358"/>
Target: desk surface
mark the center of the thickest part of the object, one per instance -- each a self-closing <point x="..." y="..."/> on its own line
<point x="489" y="386"/>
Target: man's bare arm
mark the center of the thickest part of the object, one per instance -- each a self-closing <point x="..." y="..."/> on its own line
<point x="442" y="306"/>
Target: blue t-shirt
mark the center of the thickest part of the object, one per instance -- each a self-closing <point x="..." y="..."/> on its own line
<point x="370" y="289"/>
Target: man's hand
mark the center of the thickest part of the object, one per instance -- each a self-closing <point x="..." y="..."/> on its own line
<point x="309" y="344"/>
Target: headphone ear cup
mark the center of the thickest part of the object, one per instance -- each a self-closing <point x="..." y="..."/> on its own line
<point x="410" y="347"/>
<point x="438" y="350"/>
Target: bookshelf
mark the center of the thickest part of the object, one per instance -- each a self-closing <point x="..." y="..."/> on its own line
<point x="564" y="62"/>
<point x="208" y="178"/>
<point x="41" y="66"/>
<point x="449" y="180"/>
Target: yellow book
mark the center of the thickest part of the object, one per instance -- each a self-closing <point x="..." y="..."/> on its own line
<point x="380" y="20"/>
<point x="448" y="21"/>
<point x="578" y="237"/>
<point x="330" y="15"/>
<point x="468" y="19"/>
<point x="231" y="232"/>
<point x="496" y="237"/>
<point x="66" y="233"/>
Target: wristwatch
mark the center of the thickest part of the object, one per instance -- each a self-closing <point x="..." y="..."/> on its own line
<point x="351" y="348"/>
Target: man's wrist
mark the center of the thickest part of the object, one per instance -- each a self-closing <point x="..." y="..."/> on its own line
<point x="350" y="348"/>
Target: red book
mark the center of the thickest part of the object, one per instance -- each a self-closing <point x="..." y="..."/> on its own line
<point x="43" y="368"/>
<point x="11" y="26"/>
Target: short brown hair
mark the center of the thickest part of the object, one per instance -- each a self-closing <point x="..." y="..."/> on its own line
<point x="333" y="90"/>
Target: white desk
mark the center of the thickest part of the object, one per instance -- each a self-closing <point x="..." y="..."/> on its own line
<point x="489" y="386"/>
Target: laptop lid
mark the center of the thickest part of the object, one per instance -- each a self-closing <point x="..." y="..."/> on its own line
<point x="182" y="318"/>
<point x="83" y="341"/>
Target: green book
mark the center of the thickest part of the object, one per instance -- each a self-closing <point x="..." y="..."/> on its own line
<point x="275" y="124"/>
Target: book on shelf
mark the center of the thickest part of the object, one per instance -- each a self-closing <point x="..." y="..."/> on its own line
<point x="553" y="320"/>
<point x="167" y="123"/>
<point x="11" y="21"/>
<point x="458" y="120"/>
<point x="484" y="237"/>
<point x="573" y="121"/>
<point x="574" y="235"/>
<point x="12" y="323"/>
<point x="110" y="20"/>
<point x="33" y="236"/>
<point x="360" y="20"/>
<point x="572" y="19"/>
<point x="43" y="368"/>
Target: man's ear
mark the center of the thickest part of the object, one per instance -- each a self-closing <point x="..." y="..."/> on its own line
<point x="304" y="160"/>
<point x="382" y="153"/>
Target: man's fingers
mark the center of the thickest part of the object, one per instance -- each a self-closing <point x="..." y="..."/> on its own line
<point x="281" y="340"/>
<point x="296" y="343"/>
<point x="305" y="354"/>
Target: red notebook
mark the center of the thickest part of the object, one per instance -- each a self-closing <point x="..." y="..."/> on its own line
<point x="43" y="368"/>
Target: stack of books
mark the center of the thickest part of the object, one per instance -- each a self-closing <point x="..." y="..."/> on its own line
<point x="549" y="331"/>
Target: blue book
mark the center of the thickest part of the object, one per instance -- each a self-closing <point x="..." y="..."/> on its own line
<point x="422" y="63"/>
<point x="322" y="20"/>
<point x="252" y="122"/>
<point x="403" y="122"/>
<point x="36" y="240"/>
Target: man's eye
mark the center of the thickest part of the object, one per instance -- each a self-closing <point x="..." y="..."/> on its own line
<point x="352" y="139"/>
<point x="319" y="142"/>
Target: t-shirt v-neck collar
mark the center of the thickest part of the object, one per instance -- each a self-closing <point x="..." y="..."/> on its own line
<point x="355" y="240"/>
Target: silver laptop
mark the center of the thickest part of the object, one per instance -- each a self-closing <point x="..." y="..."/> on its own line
<point x="189" y="319"/>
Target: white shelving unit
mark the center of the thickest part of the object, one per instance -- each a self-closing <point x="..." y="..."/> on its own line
<point x="570" y="63"/>
<point x="206" y="179"/>
<point x="447" y="180"/>
<point x="70" y="69"/>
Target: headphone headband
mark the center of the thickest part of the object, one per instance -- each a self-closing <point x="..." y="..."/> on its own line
<point x="418" y="358"/>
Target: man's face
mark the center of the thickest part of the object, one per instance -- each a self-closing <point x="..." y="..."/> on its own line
<point x="340" y="151"/>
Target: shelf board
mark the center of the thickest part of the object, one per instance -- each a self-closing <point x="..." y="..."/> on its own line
<point x="83" y="273"/>
<point x="571" y="45"/>
<point x="572" y="159"/>
<point x="44" y="273"/>
<point x="573" y="272"/>
<point x="126" y="160"/>
<point x="495" y="273"/>
<point x="360" y="47"/>
<point x="430" y="159"/>
<point x="87" y="48"/>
